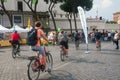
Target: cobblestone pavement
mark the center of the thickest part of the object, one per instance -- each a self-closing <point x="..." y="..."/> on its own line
<point x="95" y="65"/>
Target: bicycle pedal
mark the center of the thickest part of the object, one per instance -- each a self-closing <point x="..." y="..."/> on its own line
<point x="35" y="69"/>
<point x="42" y="67"/>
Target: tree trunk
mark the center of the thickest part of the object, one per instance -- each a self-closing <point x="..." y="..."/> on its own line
<point x="50" y="10"/>
<point x="75" y="21"/>
<point x="70" y="23"/>
<point x="9" y="17"/>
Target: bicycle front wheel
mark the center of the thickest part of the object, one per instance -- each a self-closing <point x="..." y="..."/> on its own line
<point x="33" y="70"/>
<point x="49" y="61"/>
<point x="14" y="51"/>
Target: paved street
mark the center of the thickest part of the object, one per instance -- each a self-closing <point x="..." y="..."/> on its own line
<point x="95" y="65"/>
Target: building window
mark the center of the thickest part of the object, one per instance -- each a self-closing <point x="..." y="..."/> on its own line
<point x="17" y="19"/>
<point x="20" y="6"/>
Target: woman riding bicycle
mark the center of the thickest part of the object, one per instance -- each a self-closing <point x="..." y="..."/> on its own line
<point x="38" y="46"/>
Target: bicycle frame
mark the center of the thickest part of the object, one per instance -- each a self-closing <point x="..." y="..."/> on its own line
<point x="63" y="53"/>
<point x="36" y="66"/>
<point x="98" y="44"/>
<point x="14" y="51"/>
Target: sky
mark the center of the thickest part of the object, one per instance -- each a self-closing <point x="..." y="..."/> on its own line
<point x="104" y="9"/>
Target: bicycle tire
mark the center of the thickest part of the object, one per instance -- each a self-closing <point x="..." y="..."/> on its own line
<point x="62" y="55"/>
<point x="14" y="51"/>
<point x="100" y="46"/>
<point x="32" y="68"/>
<point x="49" y="62"/>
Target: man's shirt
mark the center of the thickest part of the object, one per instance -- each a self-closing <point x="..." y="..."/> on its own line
<point x="15" y="36"/>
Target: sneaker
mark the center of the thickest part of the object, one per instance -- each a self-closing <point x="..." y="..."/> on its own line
<point x="48" y="69"/>
<point x="117" y="48"/>
<point x="66" y="55"/>
<point x="18" y="54"/>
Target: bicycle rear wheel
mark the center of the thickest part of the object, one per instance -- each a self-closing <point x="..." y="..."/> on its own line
<point x="49" y="61"/>
<point x="33" y="70"/>
<point x="62" y="55"/>
<point x="100" y="46"/>
<point x="14" y="51"/>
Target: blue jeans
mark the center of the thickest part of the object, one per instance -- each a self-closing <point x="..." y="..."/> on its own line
<point x="38" y="48"/>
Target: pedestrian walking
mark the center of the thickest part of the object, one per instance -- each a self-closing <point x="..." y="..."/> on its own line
<point x="116" y="39"/>
<point x="77" y="39"/>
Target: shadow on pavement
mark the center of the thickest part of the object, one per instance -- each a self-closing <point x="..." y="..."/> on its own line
<point x="2" y="51"/>
<point x="80" y="60"/>
<point x="59" y="75"/>
<point x="22" y="57"/>
<point x="114" y="50"/>
<point x="110" y="52"/>
<point x="88" y="61"/>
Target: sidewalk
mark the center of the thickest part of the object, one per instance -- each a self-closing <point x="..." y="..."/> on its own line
<point x="96" y="65"/>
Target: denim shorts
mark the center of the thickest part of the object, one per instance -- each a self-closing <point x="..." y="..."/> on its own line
<point x="38" y="48"/>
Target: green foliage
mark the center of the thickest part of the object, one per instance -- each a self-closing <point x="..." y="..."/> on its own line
<point x="47" y="1"/>
<point x="111" y="22"/>
<point x="71" y="5"/>
<point x="34" y="1"/>
<point x="53" y="1"/>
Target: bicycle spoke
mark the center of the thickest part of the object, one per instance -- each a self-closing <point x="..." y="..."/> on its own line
<point x="49" y="61"/>
<point x="33" y="70"/>
<point x="62" y="55"/>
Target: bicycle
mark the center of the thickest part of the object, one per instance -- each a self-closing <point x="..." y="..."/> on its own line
<point x="35" y="66"/>
<point x="63" y="53"/>
<point x="15" y="50"/>
<point x="98" y="44"/>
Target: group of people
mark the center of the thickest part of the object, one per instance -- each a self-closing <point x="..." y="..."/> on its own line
<point x="96" y="36"/>
<point x="15" y="39"/>
<point x="63" y="41"/>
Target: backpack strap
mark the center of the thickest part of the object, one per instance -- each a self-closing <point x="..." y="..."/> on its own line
<point x="39" y="38"/>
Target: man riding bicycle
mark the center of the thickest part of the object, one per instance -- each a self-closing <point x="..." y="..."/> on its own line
<point x="38" y="46"/>
<point x="15" y="38"/>
<point x="64" y="41"/>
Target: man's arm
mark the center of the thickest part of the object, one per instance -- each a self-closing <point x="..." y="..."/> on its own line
<point x="45" y="37"/>
<point x="20" y="38"/>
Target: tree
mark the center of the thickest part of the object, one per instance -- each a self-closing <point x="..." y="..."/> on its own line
<point x="68" y="13"/>
<point x="111" y="22"/>
<point x="32" y="4"/>
<point x="50" y="8"/>
<point x="2" y="5"/>
<point x="71" y="6"/>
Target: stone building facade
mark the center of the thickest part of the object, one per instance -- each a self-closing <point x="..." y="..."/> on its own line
<point x="20" y="11"/>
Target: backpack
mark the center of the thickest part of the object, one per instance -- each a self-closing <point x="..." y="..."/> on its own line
<point x="77" y="36"/>
<point x="97" y="35"/>
<point x="32" y="37"/>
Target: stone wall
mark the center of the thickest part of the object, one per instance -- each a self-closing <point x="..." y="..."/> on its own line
<point x="98" y="24"/>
